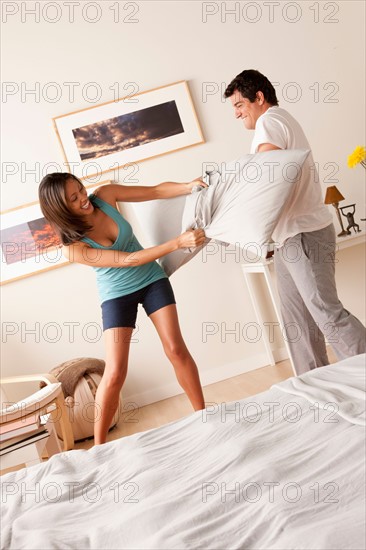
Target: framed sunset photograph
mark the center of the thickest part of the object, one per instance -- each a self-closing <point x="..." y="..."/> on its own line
<point x="29" y="245"/>
<point x="129" y="130"/>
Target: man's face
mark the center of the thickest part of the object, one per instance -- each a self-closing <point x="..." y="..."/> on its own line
<point x="247" y="111"/>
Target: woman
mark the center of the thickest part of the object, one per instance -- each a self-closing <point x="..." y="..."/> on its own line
<point x="127" y="275"/>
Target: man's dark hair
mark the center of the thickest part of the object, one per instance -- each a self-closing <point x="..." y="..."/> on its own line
<point x="248" y="83"/>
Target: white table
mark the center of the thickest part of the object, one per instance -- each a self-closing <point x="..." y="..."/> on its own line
<point x="264" y="269"/>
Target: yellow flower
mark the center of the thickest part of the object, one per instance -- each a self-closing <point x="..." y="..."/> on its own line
<point x="358" y="156"/>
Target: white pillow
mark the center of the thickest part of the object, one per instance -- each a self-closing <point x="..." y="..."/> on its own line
<point x="244" y="204"/>
<point x="241" y="206"/>
<point x="161" y="221"/>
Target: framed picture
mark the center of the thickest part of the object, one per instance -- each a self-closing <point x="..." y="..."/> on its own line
<point x="128" y="130"/>
<point x="29" y="245"/>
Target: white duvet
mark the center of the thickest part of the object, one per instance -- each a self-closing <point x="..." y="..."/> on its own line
<point x="281" y="470"/>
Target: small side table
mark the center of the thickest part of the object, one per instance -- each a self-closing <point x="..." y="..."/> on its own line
<point x="263" y="268"/>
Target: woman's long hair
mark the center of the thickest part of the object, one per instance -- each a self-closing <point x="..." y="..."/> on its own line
<point x="52" y="199"/>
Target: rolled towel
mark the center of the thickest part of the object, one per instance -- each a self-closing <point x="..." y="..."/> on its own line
<point x="70" y="372"/>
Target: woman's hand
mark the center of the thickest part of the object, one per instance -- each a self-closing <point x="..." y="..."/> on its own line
<point x="191" y="238"/>
<point x="193" y="183"/>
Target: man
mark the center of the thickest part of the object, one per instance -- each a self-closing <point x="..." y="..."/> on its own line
<point x="304" y="236"/>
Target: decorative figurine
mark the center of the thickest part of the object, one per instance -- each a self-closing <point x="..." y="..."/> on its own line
<point x="333" y="196"/>
<point x="350" y="219"/>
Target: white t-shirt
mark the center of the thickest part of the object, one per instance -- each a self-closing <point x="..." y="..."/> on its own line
<point x="305" y="210"/>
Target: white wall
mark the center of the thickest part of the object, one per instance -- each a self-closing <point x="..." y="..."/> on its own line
<point x="169" y="42"/>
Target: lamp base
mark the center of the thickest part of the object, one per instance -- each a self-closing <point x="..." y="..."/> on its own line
<point x="344" y="233"/>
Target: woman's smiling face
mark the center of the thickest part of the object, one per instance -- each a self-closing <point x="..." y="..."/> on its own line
<point x="77" y="198"/>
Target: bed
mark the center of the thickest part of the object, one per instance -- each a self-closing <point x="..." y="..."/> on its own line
<point x="283" y="469"/>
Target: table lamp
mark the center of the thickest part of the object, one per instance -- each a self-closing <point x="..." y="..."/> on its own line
<point x="333" y="196"/>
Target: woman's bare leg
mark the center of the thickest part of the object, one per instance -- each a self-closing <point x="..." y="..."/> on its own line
<point x="117" y="342"/>
<point x="167" y="324"/>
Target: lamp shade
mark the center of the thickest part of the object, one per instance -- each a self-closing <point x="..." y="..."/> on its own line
<point x="332" y="195"/>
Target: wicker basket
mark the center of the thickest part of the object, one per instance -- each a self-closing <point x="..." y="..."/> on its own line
<point x="81" y="407"/>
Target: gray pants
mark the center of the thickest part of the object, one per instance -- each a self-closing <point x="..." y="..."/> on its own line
<point x="305" y="269"/>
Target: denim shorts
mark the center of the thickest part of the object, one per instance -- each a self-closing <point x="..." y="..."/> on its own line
<point x="122" y="311"/>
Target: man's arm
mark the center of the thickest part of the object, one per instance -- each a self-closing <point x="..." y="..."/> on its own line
<point x="267" y="147"/>
<point x="270" y="134"/>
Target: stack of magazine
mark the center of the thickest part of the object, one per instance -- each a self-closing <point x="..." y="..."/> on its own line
<point x="22" y="432"/>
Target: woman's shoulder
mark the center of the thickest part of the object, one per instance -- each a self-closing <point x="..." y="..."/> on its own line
<point x="100" y="192"/>
<point x="105" y="194"/>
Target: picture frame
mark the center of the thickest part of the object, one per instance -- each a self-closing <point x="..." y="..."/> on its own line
<point x="129" y="130"/>
<point x="28" y="243"/>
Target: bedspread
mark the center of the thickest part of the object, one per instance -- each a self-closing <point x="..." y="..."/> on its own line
<point x="283" y="469"/>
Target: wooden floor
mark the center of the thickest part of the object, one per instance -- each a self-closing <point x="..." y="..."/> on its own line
<point x="160" y="413"/>
<point x="168" y="410"/>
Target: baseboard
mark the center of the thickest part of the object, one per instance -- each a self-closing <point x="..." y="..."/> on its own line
<point x="207" y="376"/>
<point x="280" y="354"/>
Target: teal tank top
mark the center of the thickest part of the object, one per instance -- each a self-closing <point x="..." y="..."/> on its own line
<point x="114" y="282"/>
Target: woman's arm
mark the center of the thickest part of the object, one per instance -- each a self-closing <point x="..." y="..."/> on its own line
<point x="97" y="257"/>
<point x="137" y="193"/>
<point x="170" y="189"/>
